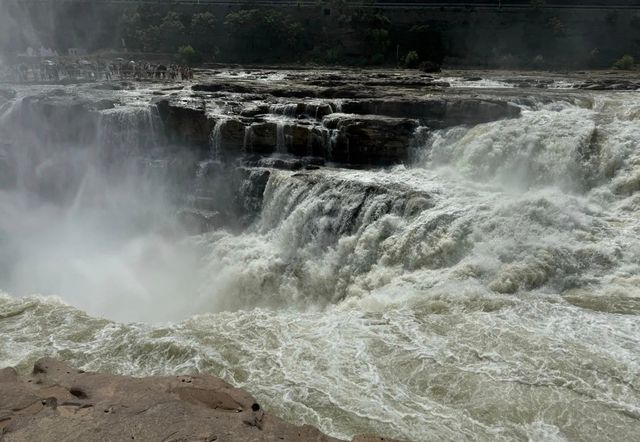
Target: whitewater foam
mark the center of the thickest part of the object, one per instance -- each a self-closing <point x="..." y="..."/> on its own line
<point x="487" y="292"/>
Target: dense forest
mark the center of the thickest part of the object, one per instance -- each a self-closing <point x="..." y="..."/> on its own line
<point x="332" y="33"/>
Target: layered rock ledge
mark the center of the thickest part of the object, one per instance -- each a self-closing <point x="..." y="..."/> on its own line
<point x="58" y="402"/>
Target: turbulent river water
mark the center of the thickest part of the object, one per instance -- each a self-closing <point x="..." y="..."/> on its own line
<point x="489" y="291"/>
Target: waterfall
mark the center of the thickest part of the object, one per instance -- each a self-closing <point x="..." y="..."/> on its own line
<point x="554" y="145"/>
<point x="129" y="129"/>
<point x="247" y="142"/>
<point x="289" y="110"/>
<point x="215" y="139"/>
<point x="281" y="142"/>
<point x="487" y="291"/>
<point x="284" y="113"/>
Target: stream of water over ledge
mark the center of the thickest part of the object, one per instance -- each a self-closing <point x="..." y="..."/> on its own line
<point x="484" y="286"/>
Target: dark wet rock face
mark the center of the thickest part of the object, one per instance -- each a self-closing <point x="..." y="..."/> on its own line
<point x="370" y="139"/>
<point x="368" y="119"/>
<point x="437" y="112"/>
<point x="59" y="117"/>
<point x="185" y="121"/>
<point x="219" y="140"/>
<point x="364" y="120"/>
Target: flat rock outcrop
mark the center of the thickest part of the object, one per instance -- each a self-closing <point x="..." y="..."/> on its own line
<point x="60" y="117"/>
<point x="185" y="121"/>
<point x="361" y="119"/>
<point x="370" y="139"/>
<point x="57" y="402"/>
<point x="437" y="112"/>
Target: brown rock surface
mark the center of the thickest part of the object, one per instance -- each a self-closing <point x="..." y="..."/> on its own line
<point x="57" y="402"/>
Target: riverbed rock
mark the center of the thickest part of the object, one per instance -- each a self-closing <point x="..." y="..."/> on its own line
<point x="60" y="117"/>
<point x="197" y="221"/>
<point x="7" y="94"/>
<point x="369" y="139"/>
<point x="58" y="402"/>
<point x="262" y="137"/>
<point x="436" y="112"/>
<point x="232" y="136"/>
<point x="186" y="121"/>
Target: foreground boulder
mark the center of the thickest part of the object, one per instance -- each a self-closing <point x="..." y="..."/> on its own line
<point x="57" y="402"/>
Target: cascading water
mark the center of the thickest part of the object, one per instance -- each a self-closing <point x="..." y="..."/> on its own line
<point x="281" y="115"/>
<point x="487" y="292"/>
<point x="281" y="143"/>
<point x="89" y="206"/>
<point x="216" y="139"/>
<point x="247" y="142"/>
<point x="130" y="126"/>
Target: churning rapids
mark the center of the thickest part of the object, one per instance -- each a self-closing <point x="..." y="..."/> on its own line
<point x="487" y="290"/>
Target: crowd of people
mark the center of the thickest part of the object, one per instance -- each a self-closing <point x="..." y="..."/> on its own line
<point x="84" y="70"/>
<point x="147" y="71"/>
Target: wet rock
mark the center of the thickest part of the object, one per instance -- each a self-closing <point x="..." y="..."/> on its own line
<point x="110" y="87"/>
<point x="369" y="139"/>
<point x="278" y="163"/>
<point x="186" y="121"/>
<point x="349" y="91"/>
<point x="474" y="111"/>
<point x="372" y="438"/>
<point x="60" y="117"/>
<point x="60" y="403"/>
<point x="8" y="172"/>
<point x="283" y="162"/>
<point x="263" y="137"/>
<point x="250" y="183"/>
<point x="232" y="137"/>
<point x="7" y="94"/>
<point x="437" y="112"/>
<point x="104" y="104"/>
<point x="253" y="109"/>
<point x="298" y="139"/>
<point x="429" y="67"/>
<point x="293" y="93"/>
<point x="217" y="87"/>
<point x="610" y="84"/>
<point x="200" y="221"/>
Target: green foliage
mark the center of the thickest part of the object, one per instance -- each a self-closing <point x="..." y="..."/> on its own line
<point x="171" y="32"/>
<point x="377" y="59"/>
<point x="188" y="55"/>
<point x="203" y="28"/>
<point x="378" y="41"/>
<point x="426" y="41"/>
<point x="537" y="4"/>
<point x="411" y="60"/>
<point x="130" y="21"/>
<point x="331" y="56"/>
<point x="557" y="27"/>
<point x="260" y="35"/>
<point x="625" y="63"/>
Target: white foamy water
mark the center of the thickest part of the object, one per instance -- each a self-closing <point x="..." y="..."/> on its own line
<point x="489" y="292"/>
